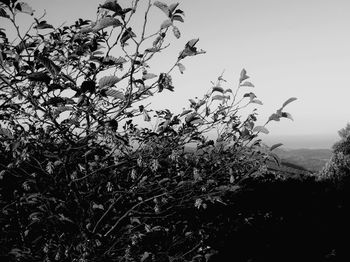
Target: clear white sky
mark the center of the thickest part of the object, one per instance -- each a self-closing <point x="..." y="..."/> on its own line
<point x="298" y="48"/>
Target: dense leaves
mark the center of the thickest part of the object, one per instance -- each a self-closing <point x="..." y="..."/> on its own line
<point x="90" y="172"/>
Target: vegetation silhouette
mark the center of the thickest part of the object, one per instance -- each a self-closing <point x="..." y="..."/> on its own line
<point x="82" y="179"/>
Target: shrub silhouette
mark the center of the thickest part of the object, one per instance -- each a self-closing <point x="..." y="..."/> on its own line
<point x="83" y="180"/>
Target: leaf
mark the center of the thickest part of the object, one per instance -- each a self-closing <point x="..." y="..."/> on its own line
<point x="190" y="117"/>
<point x="166" y="24"/>
<point x="220" y="97"/>
<point x="96" y="206"/>
<point x="218" y="89"/>
<point x="6" y="132"/>
<point x="275" y="146"/>
<point x="197" y="121"/>
<point x="49" y="167"/>
<point x="228" y="90"/>
<point x="179" y="11"/>
<point x="247" y="83"/>
<point x="287" y="115"/>
<point x="181" y="67"/>
<point x="62" y="109"/>
<point x="64" y="218"/>
<point x="261" y="129"/>
<point x="49" y="65"/>
<point x="88" y="86"/>
<point x="40" y="77"/>
<point x="178" y="18"/>
<point x="42" y="25"/>
<point x="176" y="32"/>
<point x="256" y="101"/>
<point x="276" y="158"/>
<point x="243" y="76"/>
<point x="112" y="6"/>
<point x="162" y="6"/>
<point x="250" y="95"/>
<point x="54" y="101"/>
<point x="4" y="79"/>
<point x="289" y="101"/>
<point x="120" y="60"/>
<point x="165" y="82"/>
<point x="274" y="117"/>
<point x="147" y="76"/>
<point x="128" y="33"/>
<point x="115" y="94"/>
<point x="192" y="42"/>
<point x="146" y="116"/>
<point x="173" y="6"/>
<point x="145" y="256"/>
<point x="106" y="22"/>
<point x="108" y="81"/>
<point x="190" y="49"/>
<point x="24" y="8"/>
<point x="185" y="112"/>
<point x="3" y="13"/>
<point x="152" y="50"/>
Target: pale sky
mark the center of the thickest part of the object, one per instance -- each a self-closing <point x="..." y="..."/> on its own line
<point x="298" y="48"/>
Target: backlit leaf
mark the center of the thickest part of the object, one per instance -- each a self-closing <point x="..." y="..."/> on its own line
<point x="181" y="67"/>
<point x="24" y="8"/>
<point x="185" y="112"/>
<point x="243" y="76"/>
<point x="261" y="129"/>
<point x="287" y="115"/>
<point x="176" y="32"/>
<point x="162" y="6"/>
<point x="220" y="97"/>
<point x="173" y="6"/>
<point x="148" y="76"/>
<point x="108" y="81"/>
<point x="274" y="117"/>
<point x="275" y="146"/>
<point x="115" y="94"/>
<point x="197" y="121"/>
<point x="106" y="22"/>
<point x="190" y="117"/>
<point x="247" y="83"/>
<point x="289" y="101"/>
<point x="192" y="42"/>
<point x="256" y="101"/>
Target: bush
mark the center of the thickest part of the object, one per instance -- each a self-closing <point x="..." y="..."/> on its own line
<point x="81" y="178"/>
<point x="338" y="167"/>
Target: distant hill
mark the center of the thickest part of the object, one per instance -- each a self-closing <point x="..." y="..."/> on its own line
<point x="314" y="141"/>
<point x="310" y="159"/>
<point x="303" y="159"/>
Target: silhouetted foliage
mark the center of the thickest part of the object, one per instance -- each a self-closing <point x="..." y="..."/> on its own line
<point x="83" y="179"/>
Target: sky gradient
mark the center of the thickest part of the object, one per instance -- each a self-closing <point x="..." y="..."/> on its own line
<point x="298" y="48"/>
